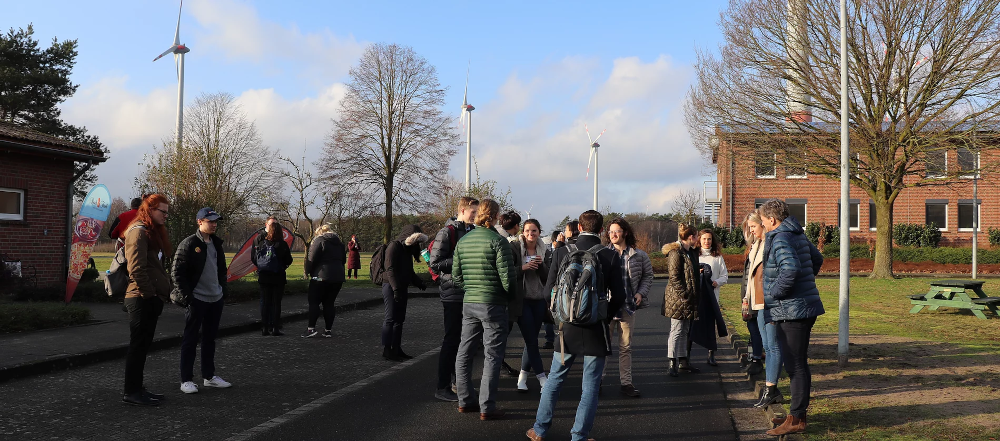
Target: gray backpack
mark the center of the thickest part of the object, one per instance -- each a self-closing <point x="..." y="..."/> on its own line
<point x="116" y="279"/>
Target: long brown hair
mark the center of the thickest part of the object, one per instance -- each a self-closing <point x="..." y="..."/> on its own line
<point x="273" y="229"/>
<point x="157" y="233"/>
<point x="716" y="249"/>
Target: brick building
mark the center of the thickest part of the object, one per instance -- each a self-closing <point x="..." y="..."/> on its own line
<point x="745" y="180"/>
<point x="36" y="183"/>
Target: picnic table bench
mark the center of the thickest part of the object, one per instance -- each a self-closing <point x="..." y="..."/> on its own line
<point x="955" y="294"/>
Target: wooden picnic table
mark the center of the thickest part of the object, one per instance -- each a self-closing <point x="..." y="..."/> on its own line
<point x="955" y="294"/>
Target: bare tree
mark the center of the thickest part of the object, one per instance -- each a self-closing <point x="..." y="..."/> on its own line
<point x="391" y="140"/>
<point x="924" y="80"/>
<point x="305" y="207"/>
<point x="223" y="163"/>
<point x="687" y="206"/>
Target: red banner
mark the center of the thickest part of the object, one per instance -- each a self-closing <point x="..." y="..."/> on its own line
<point x="241" y="264"/>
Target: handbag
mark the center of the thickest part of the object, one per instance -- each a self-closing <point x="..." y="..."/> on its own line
<point x="747" y="313"/>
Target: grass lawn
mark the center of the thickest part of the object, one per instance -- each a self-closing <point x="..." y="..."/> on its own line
<point x="930" y="375"/>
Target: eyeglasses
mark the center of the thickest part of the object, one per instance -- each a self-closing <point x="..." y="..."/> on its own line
<point x="165" y="212"/>
<point x="618" y="232"/>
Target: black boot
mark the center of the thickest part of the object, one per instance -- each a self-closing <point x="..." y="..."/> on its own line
<point x="711" y="358"/>
<point x="756" y="367"/>
<point x="509" y="371"/>
<point x="771" y="395"/>
<point x="673" y="367"/>
<point x="685" y="366"/>
<point x="402" y="355"/>
<point x="390" y="354"/>
<point x="265" y="331"/>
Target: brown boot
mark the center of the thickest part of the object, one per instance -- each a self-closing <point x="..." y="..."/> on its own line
<point x="778" y="421"/>
<point x="792" y="424"/>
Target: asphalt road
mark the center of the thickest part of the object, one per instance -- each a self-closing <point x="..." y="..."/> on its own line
<point x="341" y="389"/>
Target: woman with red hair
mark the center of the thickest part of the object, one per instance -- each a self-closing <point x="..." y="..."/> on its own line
<point x="148" y="287"/>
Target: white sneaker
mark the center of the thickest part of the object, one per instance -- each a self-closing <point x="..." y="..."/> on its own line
<point x="189" y="387"/>
<point x="522" y="381"/>
<point x="218" y="382"/>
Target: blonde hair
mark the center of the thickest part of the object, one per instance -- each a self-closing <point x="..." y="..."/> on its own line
<point x="489" y="210"/>
<point x="748" y="236"/>
<point x="323" y="229"/>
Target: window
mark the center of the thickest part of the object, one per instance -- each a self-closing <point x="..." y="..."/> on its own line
<point x="855" y="215"/>
<point x="965" y="212"/>
<point x="797" y="209"/>
<point x="11" y="204"/>
<point x="937" y="213"/>
<point x="795" y="165"/>
<point x="968" y="160"/>
<point x="936" y="163"/>
<point x="764" y="163"/>
<point x="758" y="202"/>
<point x="872" y="216"/>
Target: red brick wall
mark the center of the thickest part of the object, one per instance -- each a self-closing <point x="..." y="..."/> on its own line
<point x="823" y="195"/>
<point x="40" y="240"/>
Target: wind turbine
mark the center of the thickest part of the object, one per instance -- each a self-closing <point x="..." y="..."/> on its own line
<point x="178" y="50"/>
<point x="467" y="108"/>
<point x="593" y="156"/>
<point x="527" y="214"/>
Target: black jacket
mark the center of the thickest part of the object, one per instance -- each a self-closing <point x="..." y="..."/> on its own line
<point x="594" y="340"/>
<point x="283" y="252"/>
<point x="442" y="254"/>
<point x="189" y="262"/>
<point x="326" y="259"/>
<point x="710" y="319"/>
<point x="399" y="257"/>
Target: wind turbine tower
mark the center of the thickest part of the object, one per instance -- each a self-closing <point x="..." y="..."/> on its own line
<point x="593" y="156"/>
<point x="178" y="50"/>
<point x="467" y="108"/>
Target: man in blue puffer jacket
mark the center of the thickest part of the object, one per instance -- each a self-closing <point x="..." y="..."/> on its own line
<point x="792" y="301"/>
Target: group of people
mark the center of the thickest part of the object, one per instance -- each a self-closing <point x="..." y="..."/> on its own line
<point x="197" y="281"/>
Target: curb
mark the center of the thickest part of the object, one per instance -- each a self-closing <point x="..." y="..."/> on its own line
<point x="100" y="355"/>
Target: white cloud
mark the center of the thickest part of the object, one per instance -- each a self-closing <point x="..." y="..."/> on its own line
<point x="286" y="124"/>
<point x="235" y="29"/>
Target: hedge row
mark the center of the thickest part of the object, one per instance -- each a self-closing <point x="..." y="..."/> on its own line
<point x="30" y="316"/>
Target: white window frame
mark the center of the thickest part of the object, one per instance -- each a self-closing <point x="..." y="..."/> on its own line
<point x="979" y="216"/>
<point x="944" y="172"/>
<point x="774" y="166"/>
<point x="805" y="212"/>
<point x="14" y="217"/>
<point x="979" y="165"/>
<point x="947" y="221"/>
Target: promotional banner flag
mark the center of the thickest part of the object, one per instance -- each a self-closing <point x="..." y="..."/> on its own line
<point x="93" y="213"/>
<point x="241" y="264"/>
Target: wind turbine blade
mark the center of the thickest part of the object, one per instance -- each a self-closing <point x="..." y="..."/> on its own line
<point x="599" y="136"/>
<point x="465" y="96"/>
<point x="589" y="160"/>
<point x="588" y="135"/>
<point x="177" y="66"/>
<point x="177" y="33"/>
<point x="166" y="52"/>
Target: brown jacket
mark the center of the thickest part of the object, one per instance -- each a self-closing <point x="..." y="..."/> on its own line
<point x="680" y="299"/>
<point x="147" y="277"/>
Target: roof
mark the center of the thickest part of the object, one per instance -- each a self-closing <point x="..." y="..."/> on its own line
<point x="15" y="138"/>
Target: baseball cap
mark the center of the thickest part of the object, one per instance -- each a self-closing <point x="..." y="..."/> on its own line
<point x="208" y="213"/>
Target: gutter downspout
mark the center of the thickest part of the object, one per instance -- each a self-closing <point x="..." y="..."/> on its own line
<point x="732" y="190"/>
<point x="69" y="216"/>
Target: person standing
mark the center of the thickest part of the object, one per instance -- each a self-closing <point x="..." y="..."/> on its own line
<point x="550" y="334"/>
<point x="118" y="226"/>
<point x="442" y="255"/>
<point x="148" y="287"/>
<point x="711" y="255"/>
<point x="272" y="256"/>
<point x="508" y="225"/>
<point x="325" y="268"/>
<point x="199" y="273"/>
<point x="592" y="342"/>
<point x="752" y="290"/>
<point x="353" y="257"/>
<point x="754" y="299"/>
<point x="792" y="301"/>
<point x="398" y="276"/>
<point x="638" y="272"/>
<point x="484" y="268"/>
<point x="680" y="299"/>
<point x="531" y="281"/>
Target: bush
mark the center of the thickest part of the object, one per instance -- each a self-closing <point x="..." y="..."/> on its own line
<point x="30" y="316"/>
<point x="858" y="251"/>
<point x="994" y="236"/>
<point x="916" y="235"/>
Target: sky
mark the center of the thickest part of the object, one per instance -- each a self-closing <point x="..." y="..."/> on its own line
<point x="538" y="73"/>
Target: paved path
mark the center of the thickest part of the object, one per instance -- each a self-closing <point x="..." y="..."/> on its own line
<point x="303" y="389"/>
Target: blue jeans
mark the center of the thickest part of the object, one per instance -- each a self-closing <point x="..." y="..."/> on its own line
<point x="586" y="411"/>
<point x="756" y="345"/>
<point x="769" y="336"/>
<point x="488" y="323"/>
<point x="530" y="323"/>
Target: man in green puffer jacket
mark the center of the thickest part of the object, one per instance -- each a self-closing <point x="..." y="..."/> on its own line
<point x="484" y="268"/>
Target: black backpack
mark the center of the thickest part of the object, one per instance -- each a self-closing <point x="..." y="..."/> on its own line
<point x="377" y="266"/>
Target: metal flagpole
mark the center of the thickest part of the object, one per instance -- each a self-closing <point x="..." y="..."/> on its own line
<point x="845" y="201"/>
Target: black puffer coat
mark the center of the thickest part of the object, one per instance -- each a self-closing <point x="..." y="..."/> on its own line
<point x="284" y="253"/>
<point x="326" y="258"/>
<point x="399" y="257"/>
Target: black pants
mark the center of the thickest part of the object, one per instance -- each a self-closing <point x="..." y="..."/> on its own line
<point x="793" y="336"/>
<point x="395" y="315"/>
<point x="202" y="316"/>
<point x="449" y="344"/>
<point x="324" y="293"/>
<point x="355" y="273"/>
<point x="142" y="316"/>
<point x="270" y="304"/>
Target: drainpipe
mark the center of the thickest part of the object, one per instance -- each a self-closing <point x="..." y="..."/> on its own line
<point x="732" y="190"/>
<point x="69" y="216"/>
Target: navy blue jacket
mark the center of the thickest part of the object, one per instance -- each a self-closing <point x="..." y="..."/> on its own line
<point x="791" y="263"/>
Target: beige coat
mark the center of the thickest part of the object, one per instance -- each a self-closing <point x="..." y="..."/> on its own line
<point x="755" y="271"/>
<point x="147" y="277"/>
